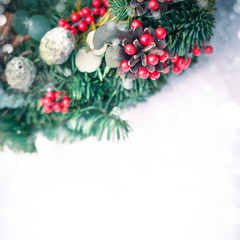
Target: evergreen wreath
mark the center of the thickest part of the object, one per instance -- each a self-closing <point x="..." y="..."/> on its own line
<point x="76" y="64"/>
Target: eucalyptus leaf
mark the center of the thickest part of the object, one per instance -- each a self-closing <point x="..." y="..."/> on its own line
<point x="86" y="61"/>
<point x="111" y="58"/>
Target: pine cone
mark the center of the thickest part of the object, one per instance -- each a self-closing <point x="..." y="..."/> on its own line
<point x="139" y="59"/>
<point x="141" y="7"/>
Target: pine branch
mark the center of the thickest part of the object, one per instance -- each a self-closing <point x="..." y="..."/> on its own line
<point x="121" y="9"/>
<point x="16" y="137"/>
<point x="188" y="26"/>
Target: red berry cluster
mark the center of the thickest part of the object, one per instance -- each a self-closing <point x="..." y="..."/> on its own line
<point x="154" y="5"/>
<point x="85" y="17"/>
<point x="180" y="64"/>
<point x="55" y="101"/>
<point x="177" y="64"/>
<point x="198" y="51"/>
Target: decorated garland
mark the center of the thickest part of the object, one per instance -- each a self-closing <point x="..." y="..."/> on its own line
<point x="77" y="64"/>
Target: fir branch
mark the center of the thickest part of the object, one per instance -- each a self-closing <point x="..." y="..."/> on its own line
<point x="187" y="25"/>
<point x="121" y="9"/>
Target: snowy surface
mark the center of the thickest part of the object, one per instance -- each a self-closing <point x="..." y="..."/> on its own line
<point x="176" y="177"/>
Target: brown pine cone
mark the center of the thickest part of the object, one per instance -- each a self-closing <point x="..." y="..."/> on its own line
<point x="139" y="59"/>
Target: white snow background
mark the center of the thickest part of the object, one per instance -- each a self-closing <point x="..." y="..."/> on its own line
<point x="176" y="178"/>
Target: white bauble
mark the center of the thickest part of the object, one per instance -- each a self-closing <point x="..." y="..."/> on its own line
<point x="20" y="73"/>
<point x="56" y="46"/>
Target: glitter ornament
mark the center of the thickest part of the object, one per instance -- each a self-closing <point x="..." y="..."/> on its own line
<point x="56" y="46"/>
<point x="20" y="73"/>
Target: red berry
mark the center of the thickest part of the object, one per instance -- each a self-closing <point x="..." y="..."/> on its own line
<point x="57" y="94"/>
<point x="64" y="110"/>
<point x="86" y="11"/>
<point x="82" y="26"/>
<point x="67" y="26"/>
<point x="48" y="101"/>
<point x="130" y="49"/>
<point x="164" y="57"/>
<point x="197" y="51"/>
<point x="135" y="23"/>
<point x="168" y="0"/>
<point x="66" y="101"/>
<point x="80" y="13"/>
<point x="62" y="22"/>
<point x="74" y="31"/>
<point x="105" y="3"/>
<point x="152" y="59"/>
<point x="180" y="62"/>
<point x="143" y="73"/>
<point x="75" y="17"/>
<point x="50" y="95"/>
<point x="174" y="59"/>
<point x="89" y="19"/>
<point x="153" y="5"/>
<point x="165" y="71"/>
<point x="42" y="101"/>
<point x="155" y="75"/>
<point x="102" y="11"/>
<point x="177" y="70"/>
<point x="47" y="109"/>
<point x="187" y="63"/>
<point x="125" y="66"/>
<point x="208" y="50"/>
<point x="167" y="68"/>
<point x="160" y="33"/>
<point x="95" y="11"/>
<point x="97" y="3"/>
<point x="57" y="107"/>
<point x="146" y="39"/>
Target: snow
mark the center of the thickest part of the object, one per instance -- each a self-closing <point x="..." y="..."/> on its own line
<point x="176" y="177"/>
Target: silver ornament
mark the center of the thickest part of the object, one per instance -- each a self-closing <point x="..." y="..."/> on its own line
<point x="56" y="46"/>
<point x="20" y="73"/>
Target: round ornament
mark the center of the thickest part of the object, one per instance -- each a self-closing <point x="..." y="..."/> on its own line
<point x="38" y="26"/>
<point x="20" y="22"/>
<point x="20" y="73"/>
<point x="56" y="46"/>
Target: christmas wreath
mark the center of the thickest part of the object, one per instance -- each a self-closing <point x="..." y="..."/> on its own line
<point x="76" y="64"/>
